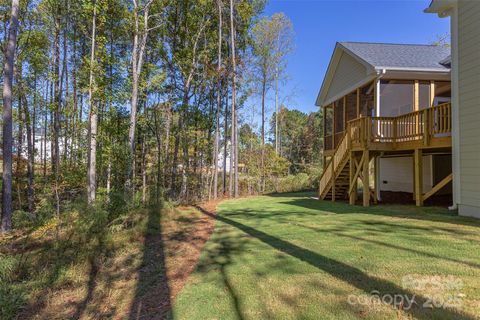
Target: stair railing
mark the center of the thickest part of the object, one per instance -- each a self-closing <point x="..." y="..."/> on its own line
<point x="332" y="166"/>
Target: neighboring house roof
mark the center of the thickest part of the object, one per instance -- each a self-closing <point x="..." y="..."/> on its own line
<point x="441" y="7"/>
<point x="354" y="64"/>
<point x="400" y="56"/>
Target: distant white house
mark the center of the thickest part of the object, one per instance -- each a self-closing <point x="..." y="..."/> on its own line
<point x="221" y="157"/>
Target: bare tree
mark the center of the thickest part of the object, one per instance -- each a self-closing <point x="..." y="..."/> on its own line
<point x="140" y="36"/>
<point x="234" y="145"/>
<point x="219" y="101"/>
<point x="93" y="118"/>
<point x="7" y="120"/>
<point x="272" y="42"/>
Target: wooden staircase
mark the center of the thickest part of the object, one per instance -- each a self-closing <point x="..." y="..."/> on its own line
<point x="335" y="180"/>
<point x="342" y="185"/>
<point x="366" y="138"/>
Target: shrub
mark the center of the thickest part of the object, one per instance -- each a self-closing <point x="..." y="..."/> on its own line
<point x="292" y="183"/>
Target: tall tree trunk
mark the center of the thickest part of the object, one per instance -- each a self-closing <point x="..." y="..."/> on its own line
<point x="225" y="142"/>
<point x="92" y="155"/>
<point x="262" y="160"/>
<point x="276" y="116"/>
<point x="6" y="224"/>
<point x="138" y="52"/>
<point x="74" y="142"/>
<point x="45" y="130"/>
<point x="34" y="122"/>
<point x="18" y="171"/>
<point x="30" y="156"/>
<point x="56" y="113"/>
<point x="65" y="74"/>
<point x="144" y="171"/>
<point x="219" y="102"/>
<point x="234" y="111"/>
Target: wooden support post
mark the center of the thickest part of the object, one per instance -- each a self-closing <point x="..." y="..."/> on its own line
<point x="418" y="176"/>
<point x="416" y="107"/>
<point x="333" y="182"/>
<point x="427" y="119"/>
<point x="366" y="178"/>
<point x="375" y="179"/>
<point x="432" y="92"/>
<point x="416" y="96"/>
<point x="358" y="102"/>
<point x="344" y="113"/>
<point x="395" y="133"/>
<point x="353" y="180"/>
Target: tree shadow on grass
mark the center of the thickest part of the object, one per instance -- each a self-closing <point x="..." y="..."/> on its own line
<point x="433" y="214"/>
<point x="342" y="233"/>
<point x="347" y="273"/>
<point x="220" y="256"/>
<point x="152" y="293"/>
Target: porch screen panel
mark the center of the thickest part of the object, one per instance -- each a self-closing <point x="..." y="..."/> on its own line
<point x="351" y="107"/>
<point x="339" y="116"/>
<point x="424" y="95"/>
<point x="367" y="100"/>
<point x="396" y="97"/>
<point x="443" y="92"/>
<point x="328" y="136"/>
<point x="328" y="121"/>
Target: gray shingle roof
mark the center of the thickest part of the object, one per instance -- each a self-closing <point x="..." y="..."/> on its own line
<point x="400" y="56"/>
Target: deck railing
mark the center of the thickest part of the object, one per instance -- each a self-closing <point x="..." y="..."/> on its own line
<point x="414" y="126"/>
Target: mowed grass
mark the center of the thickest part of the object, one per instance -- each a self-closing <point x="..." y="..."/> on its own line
<point x="293" y="257"/>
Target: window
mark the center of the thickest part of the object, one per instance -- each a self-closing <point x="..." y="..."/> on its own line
<point x="396" y="97"/>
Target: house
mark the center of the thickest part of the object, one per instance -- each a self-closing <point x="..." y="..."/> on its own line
<point x="465" y="63"/>
<point x="387" y="121"/>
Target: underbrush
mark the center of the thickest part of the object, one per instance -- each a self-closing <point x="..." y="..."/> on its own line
<point x="47" y="252"/>
<point x="303" y="181"/>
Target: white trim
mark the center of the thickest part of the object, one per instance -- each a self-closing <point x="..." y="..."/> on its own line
<point x="455" y="111"/>
<point x="440" y="70"/>
<point x="377" y="98"/>
<point x="378" y="180"/>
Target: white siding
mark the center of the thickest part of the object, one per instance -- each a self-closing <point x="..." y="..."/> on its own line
<point x="349" y="72"/>
<point x="396" y="174"/>
<point x="469" y="106"/>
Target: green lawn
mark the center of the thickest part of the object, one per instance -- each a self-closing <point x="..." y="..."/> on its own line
<point x="291" y="256"/>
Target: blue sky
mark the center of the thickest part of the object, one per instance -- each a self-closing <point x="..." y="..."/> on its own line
<point x="319" y="24"/>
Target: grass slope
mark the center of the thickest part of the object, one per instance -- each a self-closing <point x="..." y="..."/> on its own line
<point x="290" y="256"/>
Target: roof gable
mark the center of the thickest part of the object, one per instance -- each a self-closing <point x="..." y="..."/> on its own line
<point x="354" y="64"/>
<point x="345" y="71"/>
<point x="400" y="56"/>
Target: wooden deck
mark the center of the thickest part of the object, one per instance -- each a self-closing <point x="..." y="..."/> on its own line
<point x="368" y="137"/>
